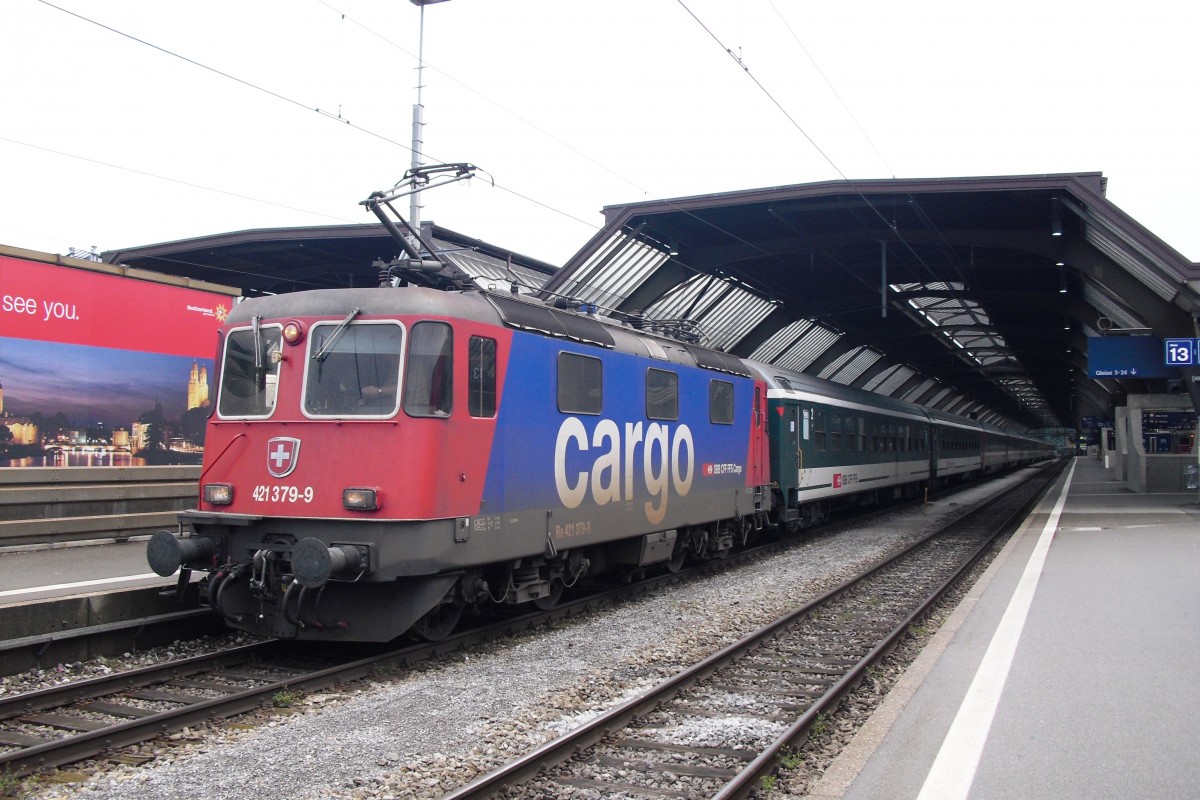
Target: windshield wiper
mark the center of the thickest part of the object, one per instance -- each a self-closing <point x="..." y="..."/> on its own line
<point x="333" y="337"/>
<point x="260" y="371"/>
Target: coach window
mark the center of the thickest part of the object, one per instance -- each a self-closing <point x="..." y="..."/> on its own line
<point x="429" y="382"/>
<point x="835" y="433"/>
<point x="720" y="402"/>
<point x="819" y="429"/>
<point x="662" y="394"/>
<point x="481" y="355"/>
<point x="580" y="384"/>
<point x="249" y="374"/>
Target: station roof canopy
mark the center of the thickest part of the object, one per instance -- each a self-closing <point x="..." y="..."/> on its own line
<point x="277" y="260"/>
<point x="975" y="295"/>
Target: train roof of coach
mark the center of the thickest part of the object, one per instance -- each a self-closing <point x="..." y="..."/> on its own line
<point x="799" y="382"/>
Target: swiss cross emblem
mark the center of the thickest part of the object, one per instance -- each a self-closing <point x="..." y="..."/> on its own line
<point x="283" y="453"/>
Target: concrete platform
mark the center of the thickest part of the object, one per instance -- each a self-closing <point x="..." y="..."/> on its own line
<point x="1071" y="670"/>
<point x="40" y="573"/>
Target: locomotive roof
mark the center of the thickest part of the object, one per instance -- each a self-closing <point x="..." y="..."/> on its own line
<point x="488" y="307"/>
<point x="377" y="301"/>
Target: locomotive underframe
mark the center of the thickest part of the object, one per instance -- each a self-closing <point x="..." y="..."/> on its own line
<point x="418" y="575"/>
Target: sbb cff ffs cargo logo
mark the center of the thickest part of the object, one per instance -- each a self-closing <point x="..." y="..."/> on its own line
<point x="283" y="453"/>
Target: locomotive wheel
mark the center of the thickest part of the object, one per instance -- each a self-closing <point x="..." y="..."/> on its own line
<point x="749" y="532"/>
<point x="438" y="622"/>
<point x="551" y="600"/>
<point x="677" y="557"/>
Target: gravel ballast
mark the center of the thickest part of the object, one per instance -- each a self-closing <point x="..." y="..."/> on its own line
<point x="426" y="730"/>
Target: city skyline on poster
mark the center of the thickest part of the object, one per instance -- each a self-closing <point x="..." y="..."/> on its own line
<point x="57" y="399"/>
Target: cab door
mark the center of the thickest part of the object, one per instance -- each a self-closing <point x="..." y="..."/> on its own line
<point x="758" y="437"/>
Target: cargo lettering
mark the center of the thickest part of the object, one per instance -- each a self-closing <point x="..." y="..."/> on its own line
<point x="667" y="460"/>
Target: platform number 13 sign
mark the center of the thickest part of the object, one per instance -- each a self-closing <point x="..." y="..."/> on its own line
<point x="1180" y="352"/>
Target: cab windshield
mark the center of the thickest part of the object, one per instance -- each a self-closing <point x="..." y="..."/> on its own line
<point x="353" y="370"/>
<point x="250" y="373"/>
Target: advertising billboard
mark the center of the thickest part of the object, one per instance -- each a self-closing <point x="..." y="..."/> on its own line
<point x="98" y="368"/>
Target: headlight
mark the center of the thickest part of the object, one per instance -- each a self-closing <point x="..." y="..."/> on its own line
<point x="218" y="494"/>
<point x="360" y="499"/>
<point x="293" y="332"/>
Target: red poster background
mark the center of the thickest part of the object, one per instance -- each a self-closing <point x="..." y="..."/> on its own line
<point x="52" y="303"/>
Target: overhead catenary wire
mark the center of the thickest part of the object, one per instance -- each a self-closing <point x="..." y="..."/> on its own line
<point x="891" y="226"/>
<point x="279" y="96"/>
<point x="534" y="126"/>
<point x="292" y="101"/>
<point x="179" y="181"/>
<point x="350" y="124"/>
<point x="832" y="88"/>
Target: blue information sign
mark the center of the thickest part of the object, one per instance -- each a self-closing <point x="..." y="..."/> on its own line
<point x="1180" y="352"/>
<point x="1130" y="357"/>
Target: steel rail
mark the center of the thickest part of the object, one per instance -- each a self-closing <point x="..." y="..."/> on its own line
<point x="605" y="725"/>
<point x="79" y="746"/>
<point x="765" y="762"/>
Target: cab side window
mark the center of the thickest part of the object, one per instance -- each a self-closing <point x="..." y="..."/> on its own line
<point x="482" y="377"/>
<point x="428" y="384"/>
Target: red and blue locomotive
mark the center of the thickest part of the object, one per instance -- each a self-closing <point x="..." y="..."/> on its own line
<point x="380" y="459"/>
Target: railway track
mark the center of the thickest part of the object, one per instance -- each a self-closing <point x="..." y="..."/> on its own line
<point x="100" y="716"/>
<point x="97" y="717"/>
<point x="719" y="728"/>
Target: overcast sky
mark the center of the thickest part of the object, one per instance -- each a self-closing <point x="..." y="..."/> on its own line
<point x="571" y="105"/>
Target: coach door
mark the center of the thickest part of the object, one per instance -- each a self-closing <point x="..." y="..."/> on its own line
<point x="934" y="443"/>
<point x="800" y="421"/>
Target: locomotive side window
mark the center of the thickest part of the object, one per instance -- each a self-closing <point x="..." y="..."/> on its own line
<point x="482" y="367"/>
<point x="428" y="384"/>
<point x="250" y="376"/>
<point x="720" y="402"/>
<point x="580" y="384"/>
<point x="662" y="394"/>
<point x="353" y="371"/>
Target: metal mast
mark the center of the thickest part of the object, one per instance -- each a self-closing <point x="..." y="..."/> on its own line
<point x="418" y="118"/>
